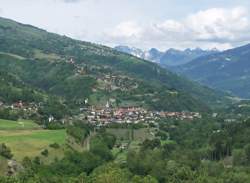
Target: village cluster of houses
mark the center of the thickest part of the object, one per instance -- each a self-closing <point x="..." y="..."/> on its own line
<point x="32" y="107"/>
<point x="180" y="115"/>
<point x="107" y="115"/>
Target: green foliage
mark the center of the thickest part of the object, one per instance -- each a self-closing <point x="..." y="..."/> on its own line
<point x="5" y="151"/>
<point x="55" y="145"/>
<point x="37" y="66"/>
<point x="100" y="146"/>
<point x="8" y="114"/>
<point x="45" y="152"/>
<point x="79" y="131"/>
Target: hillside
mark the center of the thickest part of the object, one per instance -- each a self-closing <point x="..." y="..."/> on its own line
<point x="75" y="71"/>
<point x="228" y="71"/>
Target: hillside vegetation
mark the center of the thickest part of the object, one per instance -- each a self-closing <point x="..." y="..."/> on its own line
<point x="43" y="64"/>
<point x="227" y="71"/>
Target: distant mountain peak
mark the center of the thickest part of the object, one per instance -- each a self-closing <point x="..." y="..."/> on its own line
<point x="171" y="57"/>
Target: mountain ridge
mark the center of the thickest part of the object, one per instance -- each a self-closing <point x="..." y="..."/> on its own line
<point x="76" y="70"/>
<point x="227" y="71"/>
<point x="171" y="57"/>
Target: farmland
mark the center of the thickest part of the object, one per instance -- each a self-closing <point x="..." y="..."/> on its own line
<point x="18" y="125"/>
<point x="25" y="138"/>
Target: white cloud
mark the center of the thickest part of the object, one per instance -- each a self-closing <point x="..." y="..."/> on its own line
<point x="216" y="27"/>
<point x="127" y="30"/>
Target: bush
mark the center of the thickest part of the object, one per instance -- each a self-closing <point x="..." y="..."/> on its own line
<point x="55" y="146"/>
<point x="5" y="151"/>
<point x="45" y="152"/>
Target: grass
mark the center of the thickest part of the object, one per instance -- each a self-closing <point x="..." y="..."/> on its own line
<point x="18" y="125"/>
<point x="26" y="138"/>
<point x="30" y="142"/>
<point x="53" y="154"/>
<point x="48" y="56"/>
<point x="3" y="165"/>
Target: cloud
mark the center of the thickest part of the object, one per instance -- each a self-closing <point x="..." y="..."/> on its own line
<point x="216" y="27"/>
<point x="127" y="30"/>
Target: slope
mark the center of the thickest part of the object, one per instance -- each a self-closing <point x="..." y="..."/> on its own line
<point x="228" y="71"/>
<point x="76" y="70"/>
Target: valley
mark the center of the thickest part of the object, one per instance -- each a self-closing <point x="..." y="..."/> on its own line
<point x="78" y="112"/>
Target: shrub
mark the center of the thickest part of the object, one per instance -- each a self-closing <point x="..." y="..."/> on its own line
<point x="45" y="152"/>
<point x="55" y="145"/>
<point x="5" y="151"/>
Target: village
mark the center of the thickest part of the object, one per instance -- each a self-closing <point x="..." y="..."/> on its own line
<point x="108" y="114"/>
<point x="20" y="105"/>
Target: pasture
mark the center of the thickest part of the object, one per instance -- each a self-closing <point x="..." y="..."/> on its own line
<point x="18" y="125"/>
<point x="25" y="138"/>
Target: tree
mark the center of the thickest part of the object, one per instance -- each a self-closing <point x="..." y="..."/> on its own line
<point x="146" y="179"/>
<point x="109" y="173"/>
<point x="247" y="152"/>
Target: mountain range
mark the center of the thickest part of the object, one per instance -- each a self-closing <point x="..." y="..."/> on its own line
<point x="171" y="57"/>
<point x="46" y="65"/>
<point x="228" y="71"/>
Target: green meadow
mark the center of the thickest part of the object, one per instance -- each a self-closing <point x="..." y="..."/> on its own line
<point x="25" y="138"/>
<point x="18" y="125"/>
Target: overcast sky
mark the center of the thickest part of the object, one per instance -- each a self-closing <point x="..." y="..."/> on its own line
<point x="145" y="24"/>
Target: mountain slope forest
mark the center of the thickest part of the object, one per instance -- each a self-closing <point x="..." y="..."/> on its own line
<point x="74" y="70"/>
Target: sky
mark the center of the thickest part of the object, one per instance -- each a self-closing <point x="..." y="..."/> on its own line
<point x="145" y="24"/>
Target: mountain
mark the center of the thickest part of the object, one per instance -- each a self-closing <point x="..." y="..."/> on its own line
<point x="74" y="71"/>
<point x="228" y="71"/>
<point x="171" y="57"/>
<point x="132" y="51"/>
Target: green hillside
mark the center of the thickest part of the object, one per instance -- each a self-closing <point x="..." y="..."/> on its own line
<point x="75" y="70"/>
<point x="227" y="71"/>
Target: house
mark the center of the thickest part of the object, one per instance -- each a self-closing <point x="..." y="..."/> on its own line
<point x="19" y="104"/>
<point x="51" y="118"/>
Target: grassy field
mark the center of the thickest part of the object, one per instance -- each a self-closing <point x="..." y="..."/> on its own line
<point x="3" y="165"/>
<point x="18" y="125"/>
<point x="26" y="138"/>
<point x="30" y="142"/>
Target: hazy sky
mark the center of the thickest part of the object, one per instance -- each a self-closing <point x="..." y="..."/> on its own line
<point x="139" y="23"/>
